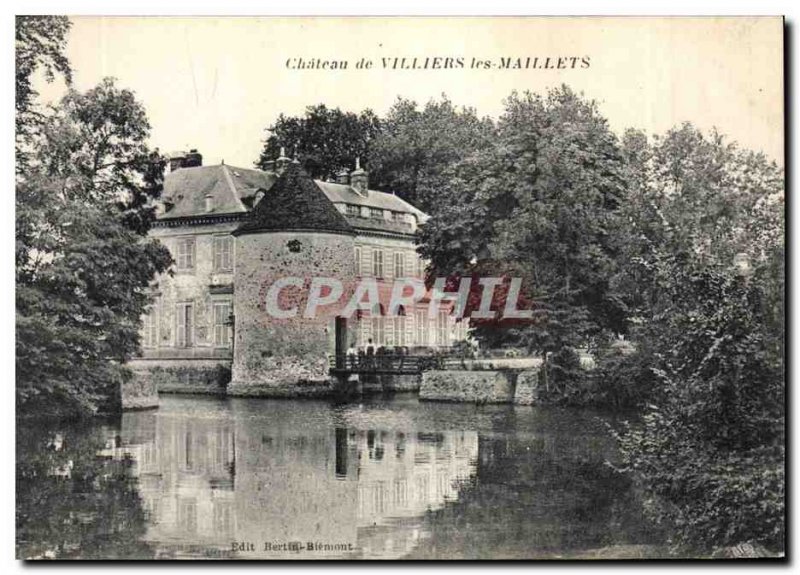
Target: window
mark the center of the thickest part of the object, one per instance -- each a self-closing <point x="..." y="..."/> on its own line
<point x="151" y="328"/>
<point x="185" y="259"/>
<point x="365" y="332"/>
<point x="400" y="330"/>
<point x="410" y="331"/>
<point x="422" y="325"/>
<point x="222" y="331"/>
<point x="377" y="331"/>
<point x="442" y="331"/>
<point x="184" y="333"/>
<point x="388" y="330"/>
<point x="357" y="261"/>
<point x="399" y="265"/>
<point x="223" y="253"/>
<point x="187" y="515"/>
<point x="223" y="517"/>
<point x="376" y="213"/>
<point x="353" y="210"/>
<point x="377" y="263"/>
<point x="420" y="267"/>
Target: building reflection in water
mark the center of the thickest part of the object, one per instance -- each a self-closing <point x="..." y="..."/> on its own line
<point x="287" y="473"/>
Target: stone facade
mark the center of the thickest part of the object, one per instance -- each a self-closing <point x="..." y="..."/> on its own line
<point x="191" y="309"/>
<point x="284" y="356"/>
<point x="467" y="386"/>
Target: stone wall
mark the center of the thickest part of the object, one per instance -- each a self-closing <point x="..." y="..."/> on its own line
<point x="208" y="377"/>
<point x="527" y="390"/>
<point x="372" y="384"/>
<point x="401" y="382"/>
<point x="467" y="386"/>
<point x="285" y="357"/>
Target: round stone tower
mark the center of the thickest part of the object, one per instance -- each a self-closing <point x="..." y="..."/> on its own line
<point x="294" y="234"/>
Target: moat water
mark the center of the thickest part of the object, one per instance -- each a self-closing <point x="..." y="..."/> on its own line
<point x="281" y="479"/>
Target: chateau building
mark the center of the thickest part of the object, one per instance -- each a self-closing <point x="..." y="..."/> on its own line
<point x="233" y="231"/>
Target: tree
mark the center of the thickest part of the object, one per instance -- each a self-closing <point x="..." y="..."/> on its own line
<point x="40" y="42"/>
<point x="324" y="140"/>
<point x="415" y="148"/>
<point x="706" y="255"/>
<point x="543" y="199"/>
<point x="83" y="265"/>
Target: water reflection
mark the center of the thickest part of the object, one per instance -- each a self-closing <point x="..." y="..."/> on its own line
<point x="265" y="479"/>
<point x="286" y="473"/>
<point x="72" y="503"/>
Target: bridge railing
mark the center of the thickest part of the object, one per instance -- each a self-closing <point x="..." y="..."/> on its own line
<point x="403" y="363"/>
<point x="391" y="363"/>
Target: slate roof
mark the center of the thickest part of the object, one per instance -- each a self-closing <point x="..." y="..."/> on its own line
<point x="341" y="193"/>
<point x="232" y="190"/>
<point x="380" y="225"/>
<point x="295" y="202"/>
<point x="187" y="189"/>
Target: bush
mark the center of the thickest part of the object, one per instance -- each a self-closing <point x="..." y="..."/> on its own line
<point x="620" y="380"/>
<point x="707" y="498"/>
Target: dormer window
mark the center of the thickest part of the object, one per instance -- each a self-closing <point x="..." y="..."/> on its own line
<point x="353" y="210"/>
<point x="376" y="213"/>
<point x="209" y="203"/>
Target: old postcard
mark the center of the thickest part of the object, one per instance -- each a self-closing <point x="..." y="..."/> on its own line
<point x="400" y="288"/>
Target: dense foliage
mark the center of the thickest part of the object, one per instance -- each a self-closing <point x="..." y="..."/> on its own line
<point x="415" y="149"/>
<point x="83" y="265"/>
<point x="542" y="203"/>
<point x="40" y="42"/>
<point x="324" y="140"/>
<point x="708" y="270"/>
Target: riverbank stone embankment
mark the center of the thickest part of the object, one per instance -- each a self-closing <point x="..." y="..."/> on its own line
<point x="486" y="386"/>
<point x="206" y="376"/>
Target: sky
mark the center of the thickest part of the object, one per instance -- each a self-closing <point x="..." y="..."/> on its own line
<point x="215" y="83"/>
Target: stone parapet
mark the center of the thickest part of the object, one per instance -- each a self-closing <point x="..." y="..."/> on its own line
<point x="527" y="390"/>
<point x="467" y="386"/>
<point x="203" y="376"/>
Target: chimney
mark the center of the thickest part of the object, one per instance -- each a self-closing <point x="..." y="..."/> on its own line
<point x="194" y="159"/>
<point x="359" y="179"/>
<point x="177" y="160"/>
<point x="343" y="177"/>
<point x="282" y="162"/>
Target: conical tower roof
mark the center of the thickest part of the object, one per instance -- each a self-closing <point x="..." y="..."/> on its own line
<point x="295" y="202"/>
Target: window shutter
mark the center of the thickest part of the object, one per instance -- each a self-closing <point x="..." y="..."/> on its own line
<point x="180" y="331"/>
<point x="366" y="262"/>
<point x="389" y="271"/>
